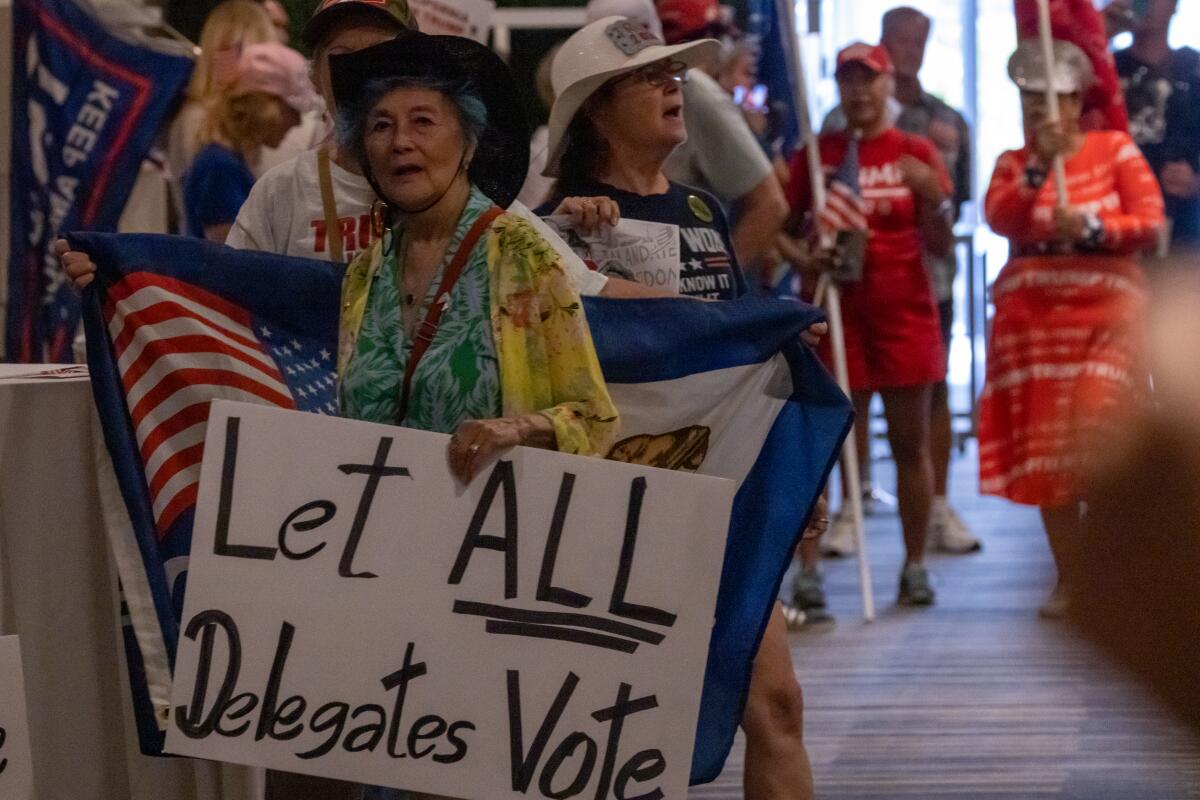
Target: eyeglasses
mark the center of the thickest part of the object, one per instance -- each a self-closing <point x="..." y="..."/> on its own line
<point x="661" y="73"/>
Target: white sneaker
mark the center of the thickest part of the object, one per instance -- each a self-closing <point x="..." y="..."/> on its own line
<point x="839" y="541"/>
<point x="949" y="534"/>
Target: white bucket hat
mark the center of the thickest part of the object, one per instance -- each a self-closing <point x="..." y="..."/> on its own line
<point x="599" y="52"/>
<point x="1072" y="71"/>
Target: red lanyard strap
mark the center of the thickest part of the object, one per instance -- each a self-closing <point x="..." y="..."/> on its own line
<point x="423" y="336"/>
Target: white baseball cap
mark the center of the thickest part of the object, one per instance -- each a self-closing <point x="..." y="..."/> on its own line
<point x="597" y="53"/>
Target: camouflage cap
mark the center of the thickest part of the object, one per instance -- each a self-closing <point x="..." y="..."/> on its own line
<point x="388" y="12"/>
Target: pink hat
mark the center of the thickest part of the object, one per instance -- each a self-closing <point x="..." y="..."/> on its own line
<point x="277" y="70"/>
<point x="873" y="56"/>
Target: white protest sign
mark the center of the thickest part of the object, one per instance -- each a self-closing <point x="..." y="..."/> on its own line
<point x="646" y="252"/>
<point x="469" y="18"/>
<point x="353" y="611"/>
<point x="16" y="765"/>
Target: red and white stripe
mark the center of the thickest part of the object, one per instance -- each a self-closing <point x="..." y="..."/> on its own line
<point x="178" y="348"/>
<point x="844" y="210"/>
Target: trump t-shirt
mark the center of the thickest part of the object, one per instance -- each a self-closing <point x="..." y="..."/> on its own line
<point x="709" y="267"/>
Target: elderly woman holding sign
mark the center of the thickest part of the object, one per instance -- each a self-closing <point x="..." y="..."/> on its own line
<point x="1061" y="359"/>
<point x="460" y="319"/>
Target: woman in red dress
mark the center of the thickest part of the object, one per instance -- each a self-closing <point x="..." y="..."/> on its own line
<point x="1062" y="357"/>
<point x="892" y="332"/>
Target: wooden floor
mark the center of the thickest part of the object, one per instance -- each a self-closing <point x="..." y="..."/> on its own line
<point x="977" y="697"/>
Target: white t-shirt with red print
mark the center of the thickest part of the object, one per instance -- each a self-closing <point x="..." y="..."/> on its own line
<point x="284" y="215"/>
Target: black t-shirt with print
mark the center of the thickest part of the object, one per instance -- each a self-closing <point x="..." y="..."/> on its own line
<point x="709" y="266"/>
<point x="1164" y="119"/>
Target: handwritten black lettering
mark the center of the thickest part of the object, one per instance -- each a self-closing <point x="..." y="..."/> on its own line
<point x="232" y="713"/>
<point x="430" y="736"/>
<point x="293" y="522"/>
<point x="221" y="546"/>
<point x="322" y="721"/>
<point x="424" y="729"/>
<point x="502" y="476"/>
<point x="205" y="624"/>
<point x="645" y="766"/>
<point x="375" y="472"/>
<point x="554" y="763"/>
<point x="3" y="761"/>
<point x="619" y="606"/>
<point x="560" y="618"/>
<point x="526" y="764"/>
<point x="546" y="589"/>
<point x="372" y="731"/>
<point x="615" y="715"/>
<point x="460" y="746"/>
<point x="272" y="714"/>
<point x="399" y="680"/>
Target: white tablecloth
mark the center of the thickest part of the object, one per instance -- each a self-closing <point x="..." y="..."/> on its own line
<point x="58" y="593"/>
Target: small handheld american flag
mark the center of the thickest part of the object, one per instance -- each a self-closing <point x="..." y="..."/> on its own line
<point x="844" y="209"/>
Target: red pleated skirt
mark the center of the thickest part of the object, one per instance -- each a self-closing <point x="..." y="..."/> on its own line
<point x="1063" y="367"/>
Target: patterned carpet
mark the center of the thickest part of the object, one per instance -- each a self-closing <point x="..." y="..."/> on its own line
<point x="977" y="697"/>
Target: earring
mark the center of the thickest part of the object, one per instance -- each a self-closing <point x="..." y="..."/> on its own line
<point x="379" y="215"/>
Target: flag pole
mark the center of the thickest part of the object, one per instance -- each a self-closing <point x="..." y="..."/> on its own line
<point x="1047" y="37"/>
<point x="827" y="290"/>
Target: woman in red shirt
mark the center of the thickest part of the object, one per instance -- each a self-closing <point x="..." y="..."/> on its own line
<point x="1062" y="360"/>
<point x="896" y="187"/>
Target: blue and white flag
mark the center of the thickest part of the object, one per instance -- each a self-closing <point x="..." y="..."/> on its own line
<point x="716" y="388"/>
<point x="86" y="106"/>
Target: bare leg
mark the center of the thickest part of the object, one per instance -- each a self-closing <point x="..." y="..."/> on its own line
<point x="907" y="412"/>
<point x="862" y="441"/>
<point x="941" y="438"/>
<point x="777" y="766"/>
<point x="809" y="551"/>
<point x="1064" y="531"/>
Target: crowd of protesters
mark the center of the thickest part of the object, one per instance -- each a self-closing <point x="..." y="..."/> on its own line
<point x="419" y="155"/>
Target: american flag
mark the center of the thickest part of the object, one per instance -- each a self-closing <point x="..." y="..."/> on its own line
<point x="844" y="209"/>
<point x="173" y="324"/>
<point x="178" y="348"/>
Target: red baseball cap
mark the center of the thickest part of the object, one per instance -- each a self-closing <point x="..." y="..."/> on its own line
<point x="873" y="56"/>
<point x="683" y="20"/>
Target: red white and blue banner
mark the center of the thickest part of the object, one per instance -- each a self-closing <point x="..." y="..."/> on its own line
<point x="777" y="70"/>
<point x="722" y="389"/>
<point x="86" y="106"/>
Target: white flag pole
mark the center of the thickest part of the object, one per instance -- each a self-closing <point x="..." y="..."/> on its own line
<point x="1047" y="38"/>
<point x="828" y="289"/>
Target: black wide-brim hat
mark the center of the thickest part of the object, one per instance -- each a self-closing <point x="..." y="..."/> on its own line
<point x="501" y="159"/>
